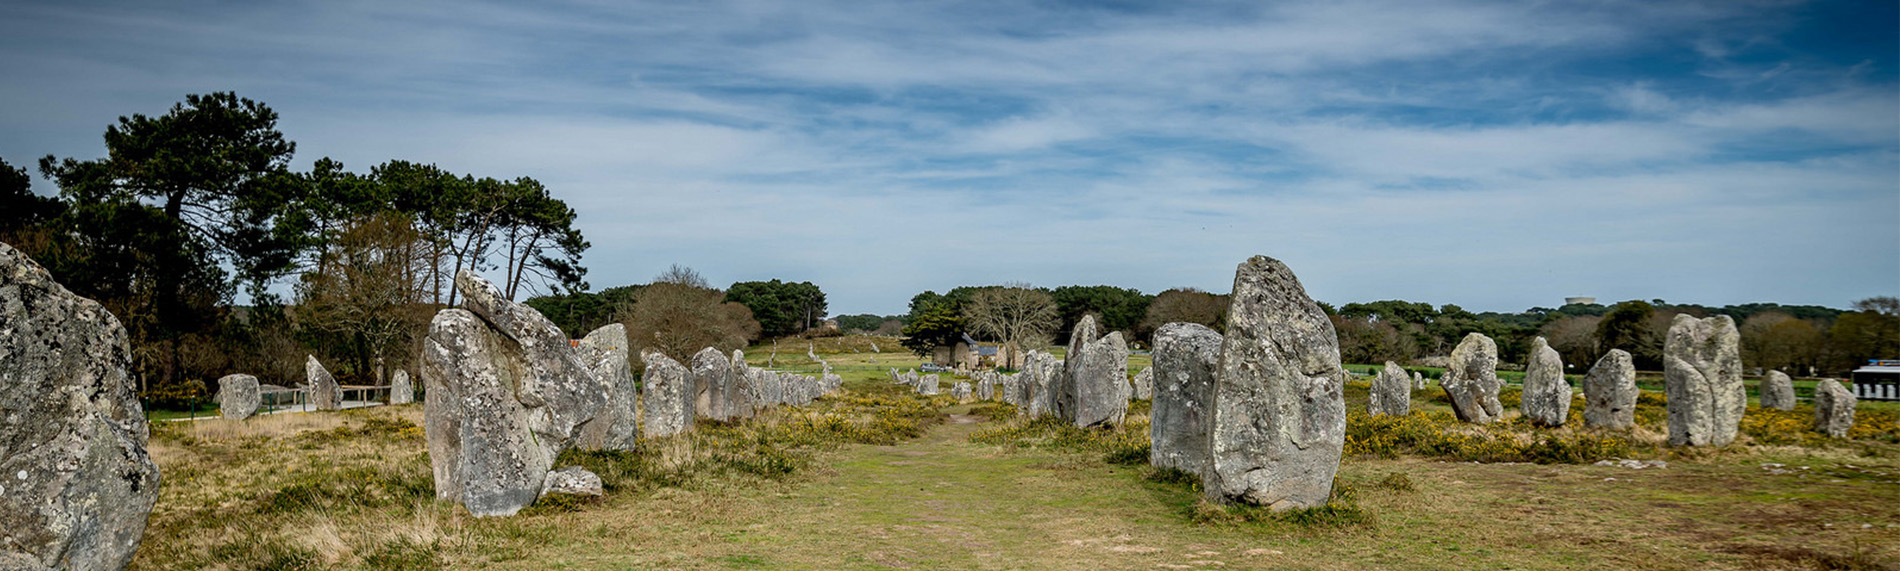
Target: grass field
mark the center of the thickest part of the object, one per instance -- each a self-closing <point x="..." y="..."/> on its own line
<point x="882" y="479"/>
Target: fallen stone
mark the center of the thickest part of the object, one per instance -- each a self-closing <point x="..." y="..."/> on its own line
<point x="1546" y="399"/>
<point x="605" y="354"/>
<point x="1279" y="412"/>
<point x="238" y="396"/>
<point x="76" y="483"/>
<point x="1186" y="359"/>
<point x="1777" y="391"/>
<point x="1833" y="408"/>
<point x="324" y="393"/>
<point x="1391" y="392"/>
<point x="401" y="391"/>
<point x="1609" y="392"/>
<point x="573" y="481"/>
<point x="1702" y="374"/>
<point x="1471" y="379"/>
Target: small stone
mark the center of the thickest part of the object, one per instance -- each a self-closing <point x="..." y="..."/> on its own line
<point x="1777" y="391"/>
<point x="1833" y="408"/>
<point x="1609" y="392"/>
<point x="324" y="392"/>
<point x="1471" y="379"/>
<point x="238" y="397"/>
<point x="573" y="481"/>
<point x="1145" y="384"/>
<point x="1546" y="398"/>
<point x="401" y="390"/>
<point x="1391" y="392"/>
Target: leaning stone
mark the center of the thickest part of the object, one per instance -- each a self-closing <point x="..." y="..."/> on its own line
<point x="1186" y="359"/>
<point x="238" y="396"/>
<point x="1546" y="399"/>
<point x="710" y="369"/>
<point x="927" y="386"/>
<point x="573" y="481"/>
<point x="76" y="483"/>
<point x="556" y="381"/>
<point x="401" y="391"/>
<point x="1279" y="412"/>
<point x="666" y="397"/>
<point x="1391" y="392"/>
<point x="324" y="392"/>
<point x="1099" y="390"/>
<point x="1471" y="379"/>
<point x="1702" y="373"/>
<point x="617" y="427"/>
<point x="1833" y="408"/>
<point x="1145" y="384"/>
<point x="1777" y="391"/>
<point x="1609" y="392"/>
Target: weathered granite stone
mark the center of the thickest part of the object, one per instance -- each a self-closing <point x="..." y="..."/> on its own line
<point x="1084" y="333"/>
<point x="1609" y="392"/>
<point x="573" y="481"/>
<point x="1391" y="392"/>
<point x="834" y="384"/>
<point x="1418" y="381"/>
<point x="927" y="386"/>
<point x="1099" y="389"/>
<point x="740" y="403"/>
<point x="1702" y="374"/>
<point x="1546" y="399"/>
<point x="506" y="394"/>
<point x="1186" y="359"/>
<point x="1145" y="384"/>
<point x="605" y="354"/>
<point x="238" y="396"/>
<point x="1279" y="412"/>
<point x="1777" y="391"/>
<point x="961" y="391"/>
<point x="896" y="377"/>
<point x="710" y="371"/>
<point x="1471" y="379"/>
<point x="1011" y="389"/>
<point x="324" y="393"/>
<point x="1833" y="408"/>
<point x="666" y="396"/>
<point x="76" y="483"/>
<point x="401" y="390"/>
<point x="985" y="388"/>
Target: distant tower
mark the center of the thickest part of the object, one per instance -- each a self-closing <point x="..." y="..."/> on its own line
<point x="1580" y="301"/>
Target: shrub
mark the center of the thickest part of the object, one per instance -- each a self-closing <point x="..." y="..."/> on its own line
<point x="1440" y="434"/>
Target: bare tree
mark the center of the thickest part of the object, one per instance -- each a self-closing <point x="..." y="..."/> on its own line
<point x="677" y="315"/>
<point x="1575" y="337"/>
<point x="1019" y="316"/>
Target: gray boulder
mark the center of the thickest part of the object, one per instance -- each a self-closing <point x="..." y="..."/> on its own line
<point x="1084" y="333"/>
<point x="1418" y="380"/>
<point x="1279" y="414"/>
<point x="961" y="391"/>
<point x="1546" y="399"/>
<point x="710" y="371"/>
<point x="1471" y="379"/>
<point x="1833" y="408"/>
<point x="573" y="481"/>
<point x="1099" y="389"/>
<point x="238" y="396"/>
<point x="986" y="385"/>
<point x="927" y="386"/>
<point x="666" y="397"/>
<point x="740" y="401"/>
<point x="1391" y="392"/>
<point x="506" y="395"/>
<point x="401" y="390"/>
<point x="324" y="392"/>
<point x="1609" y="392"/>
<point x="1777" y="391"/>
<point x="1702" y="373"/>
<point x="1145" y="384"/>
<point x="605" y="354"/>
<point x="76" y="483"/>
<point x="1186" y="359"/>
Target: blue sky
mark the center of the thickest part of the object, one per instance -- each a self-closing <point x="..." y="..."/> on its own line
<point x="1495" y="155"/>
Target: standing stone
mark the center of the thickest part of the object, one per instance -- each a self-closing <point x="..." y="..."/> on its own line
<point x="506" y="395"/>
<point x="1702" y="374"/>
<point x="1145" y="384"/>
<point x="324" y="393"/>
<point x="1391" y="393"/>
<point x="1609" y="392"/>
<point x="710" y="369"/>
<point x="604" y="353"/>
<point x="896" y="378"/>
<point x="666" y="398"/>
<point x="238" y="397"/>
<point x="401" y="391"/>
<point x="1833" y="408"/>
<point x="1099" y="390"/>
<point x="961" y="391"/>
<point x="1011" y="390"/>
<point x="1186" y="359"/>
<point x="1040" y="390"/>
<point x="1085" y="332"/>
<point x="739" y="391"/>
<point x="1279" y="416"/>
<point x="1471" y="379"/>
<point x="928" y="386"/>
<point x="1777" y="391"/>
<point x="986" y="385"/>
<point x="1418" y="381"/>
<point x="76" y="483"/>
<point x="833" y="383"/>
<point x="1546" y="398"/>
